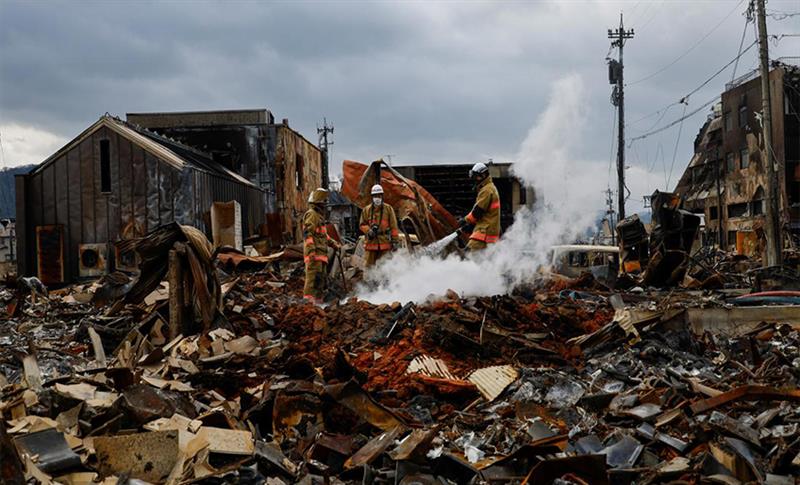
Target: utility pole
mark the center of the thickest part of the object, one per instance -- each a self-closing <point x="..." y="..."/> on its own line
<point x="615" y="68"/>
<point x="772" y="224"/>
<point x="610" y="214"/>
<point x="324" y="145"/>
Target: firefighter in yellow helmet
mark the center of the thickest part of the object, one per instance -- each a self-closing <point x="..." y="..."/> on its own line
<point x="315" y="246"/>
<point x="379" y="225"/>
<point x="484" y="220"/>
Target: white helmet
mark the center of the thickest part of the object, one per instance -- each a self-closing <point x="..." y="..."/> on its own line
<point x="376" y="190"/>
<point x="478" y="169"/>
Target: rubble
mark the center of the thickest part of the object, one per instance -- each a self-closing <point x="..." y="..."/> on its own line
<point x="563" y="381"/>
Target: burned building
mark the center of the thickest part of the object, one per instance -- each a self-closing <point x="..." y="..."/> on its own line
<point x="726" y="179"/>
<point x="113" y="182"/>
<point x="344" y="215"/>
<point x="276" y="158"/>
<point x="451" y="185"/>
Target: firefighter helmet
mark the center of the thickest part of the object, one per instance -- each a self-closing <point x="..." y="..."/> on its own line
<point x="478" y="170"/>
<point x="376" y="190"/>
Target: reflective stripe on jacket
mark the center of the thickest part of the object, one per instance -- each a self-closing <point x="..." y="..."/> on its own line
<point x="315" y="234"/>
<point x="386" y="220"/>
<point x="485" y="215"/>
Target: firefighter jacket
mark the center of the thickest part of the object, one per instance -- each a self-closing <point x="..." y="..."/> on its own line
<point x="315" y="236"/>
<point x="485" y="215"/>
<point x="386" y="220"/>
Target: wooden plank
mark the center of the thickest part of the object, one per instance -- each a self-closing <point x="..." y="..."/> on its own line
<point x="62" y="209"/>
<point x="87" y="190"/>
<point x="75" y="221"/>
<point x="165" y="214"/>
<point x="139" y="170"/>
<point x="153" y="217"/>
<point x="175" y="279"/>
<point x="114" y="202"/>
<point x="125" y="174"/>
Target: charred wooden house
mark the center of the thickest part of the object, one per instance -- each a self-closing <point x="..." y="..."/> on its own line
<point x="276" y="158"/>
<point x="116" y="181"/>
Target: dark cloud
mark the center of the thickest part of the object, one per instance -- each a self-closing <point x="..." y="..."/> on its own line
<point x="424" y="81"/>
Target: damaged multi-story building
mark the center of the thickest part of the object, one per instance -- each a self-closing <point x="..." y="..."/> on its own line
<point x="119" y="180"/>
<point x="726" y="179"/>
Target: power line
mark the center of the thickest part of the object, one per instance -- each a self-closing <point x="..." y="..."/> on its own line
<point x="741" y="42"/>
<point x="693" y="47"/>
<point x="778" y="15"/>
<point x="673" y="123"/>
<point x="685" y="99"/>
<point x="675" y="152"/>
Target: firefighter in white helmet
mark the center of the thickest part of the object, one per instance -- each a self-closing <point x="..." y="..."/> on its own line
<point x="483" y="221"/>
<point x="379" y="226"/>
<point x="315" y="246"/>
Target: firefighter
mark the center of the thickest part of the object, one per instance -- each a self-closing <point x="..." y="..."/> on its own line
<point x="484" y="220"/>
<point x="379" y="225"/>
<point x="315" y="246"/>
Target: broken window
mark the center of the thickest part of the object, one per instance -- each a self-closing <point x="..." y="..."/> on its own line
<point x="713" y="213"/>
<point x="744" y="155"/>
<point x="298" y="172"/>
<point x="730" y="163"/>
<point x="731" y="239"/>
<point x="757" y="205"/>
<point x="728" y="121"/>
<point x="105" y="166"/>
<point x="737" y="210"/>
<point x="742" y="116"/>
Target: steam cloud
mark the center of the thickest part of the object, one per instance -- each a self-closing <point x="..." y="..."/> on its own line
<point x="567" y="192"/>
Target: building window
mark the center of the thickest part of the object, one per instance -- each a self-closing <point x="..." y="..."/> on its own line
<point x="758" y="202"/>
<point x="730" y="163"/>
<point x="105" y="166"/>
<point x="523" y="195"/>
<point x="744" y="155"/>
<point x="298" y="172"/>
<point x="742" y="116"/>
<point x="737" y="210"/>
<point x="712" y="213"/>
<point x="731" y="239"/>
<point x="728" y="121"/>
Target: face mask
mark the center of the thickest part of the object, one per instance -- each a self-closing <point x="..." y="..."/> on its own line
<point x="377" y="201"/>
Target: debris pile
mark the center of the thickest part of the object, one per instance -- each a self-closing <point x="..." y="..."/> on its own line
<point x="562" y="382"/>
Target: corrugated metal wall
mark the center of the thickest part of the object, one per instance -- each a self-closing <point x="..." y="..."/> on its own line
<point x="145" y="193"/>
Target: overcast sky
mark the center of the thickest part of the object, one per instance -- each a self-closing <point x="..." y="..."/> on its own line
<point x="422" y="81"/>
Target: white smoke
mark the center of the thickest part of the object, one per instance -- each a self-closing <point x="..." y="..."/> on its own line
<point x="567" y="197"/>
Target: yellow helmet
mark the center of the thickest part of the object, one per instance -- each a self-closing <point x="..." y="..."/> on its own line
<point x="318" y="196"/>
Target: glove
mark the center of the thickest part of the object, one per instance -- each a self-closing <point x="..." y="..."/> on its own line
<point x="373" y="232"/>
<point x="462" y="223"/>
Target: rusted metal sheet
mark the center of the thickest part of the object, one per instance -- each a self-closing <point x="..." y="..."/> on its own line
<point x="414" y="205"/>
<point x="373" y="449"/>
<point x="750" y="393"/>
<point x="357" y="400"/>
<point x="50" y="253"/>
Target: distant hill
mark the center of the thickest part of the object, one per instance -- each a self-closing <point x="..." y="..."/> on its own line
<point x="7" y="190"/>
